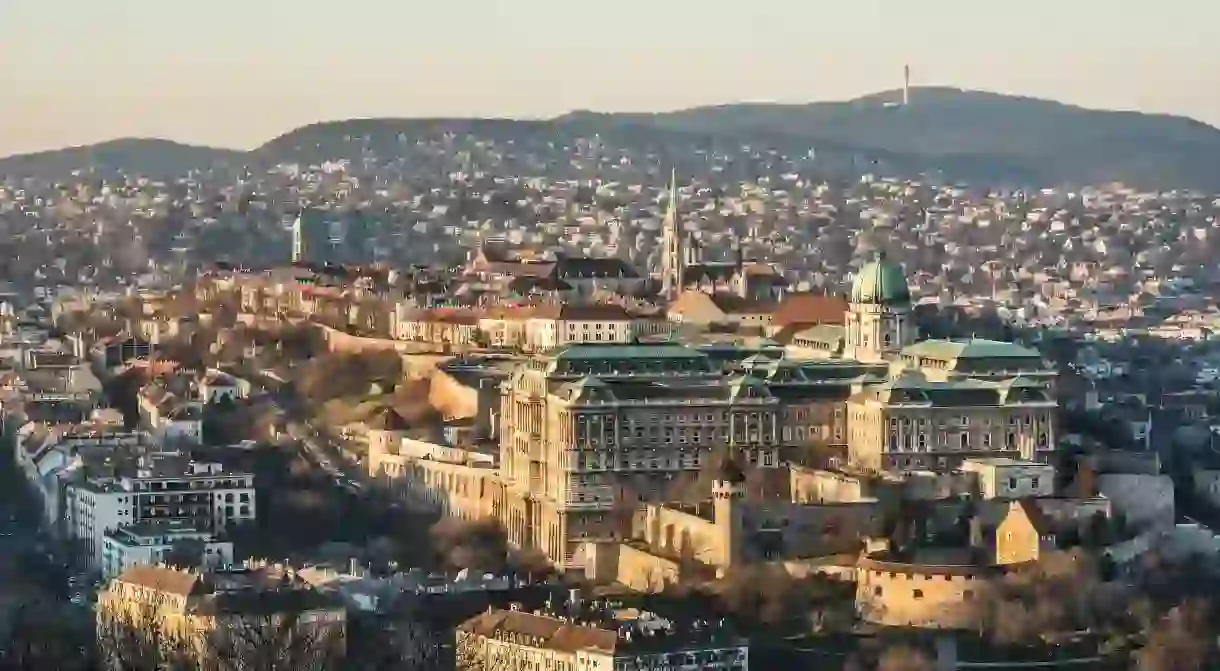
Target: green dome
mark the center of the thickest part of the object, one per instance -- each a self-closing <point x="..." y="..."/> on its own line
<point x="880" y="282"/>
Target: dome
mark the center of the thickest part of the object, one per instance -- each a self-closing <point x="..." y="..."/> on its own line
<point x="880" y="282"/>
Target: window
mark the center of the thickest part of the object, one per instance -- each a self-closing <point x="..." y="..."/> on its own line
<point x="877" y="590"/>
<point x="1012" y="483"/>
<point x="1034" y="482"/>
<point x="917" y="594"/>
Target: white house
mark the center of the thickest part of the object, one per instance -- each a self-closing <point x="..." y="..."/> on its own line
<point x="215" y="385"/>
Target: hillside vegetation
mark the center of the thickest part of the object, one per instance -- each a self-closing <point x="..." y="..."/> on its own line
<point x="968" y="135"/>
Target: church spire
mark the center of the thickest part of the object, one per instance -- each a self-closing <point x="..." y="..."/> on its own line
<point x="673" y="258"/>
<point x="671" y="210"/>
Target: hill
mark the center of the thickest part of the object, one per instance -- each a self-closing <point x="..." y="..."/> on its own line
<point x="968" y="135"/>
<point x="145" y="156"/>
<point x="963" y="135"/>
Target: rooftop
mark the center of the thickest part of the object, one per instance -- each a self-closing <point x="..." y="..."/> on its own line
<point x="971" y="348"/>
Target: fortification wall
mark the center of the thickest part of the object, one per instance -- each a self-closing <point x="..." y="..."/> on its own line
<point x="919" y="595"/>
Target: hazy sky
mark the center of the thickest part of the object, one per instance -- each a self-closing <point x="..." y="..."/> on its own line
<point x="238" y="72"/>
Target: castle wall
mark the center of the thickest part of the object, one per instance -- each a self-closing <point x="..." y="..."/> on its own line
<point x="645" y="572"/>
<point x="916" y="595"/>
<point x="810" y="485"/>
<point x="679" y="534"/>
<point x="810" y="530"/>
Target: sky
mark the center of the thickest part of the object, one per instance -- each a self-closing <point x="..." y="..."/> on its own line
<point x="235" y="73"/>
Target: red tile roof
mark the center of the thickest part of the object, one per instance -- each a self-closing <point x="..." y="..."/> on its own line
<point x="809" y="309"/>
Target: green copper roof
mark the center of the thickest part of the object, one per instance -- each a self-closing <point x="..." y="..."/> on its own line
<point x="973" y="348"/>
<point x="657" y="351"/>
<point x="880" y="282"/>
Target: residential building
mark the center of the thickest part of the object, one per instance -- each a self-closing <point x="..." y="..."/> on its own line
<point x="225" y="612"/>
<point x="157" y="542"/>
<point x="154" y="488"/>
<point x="512" y="639"/>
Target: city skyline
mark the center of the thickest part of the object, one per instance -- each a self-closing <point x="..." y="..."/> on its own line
<point x="77" y="72"/>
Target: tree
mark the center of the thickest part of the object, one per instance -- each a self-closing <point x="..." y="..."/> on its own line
<point x="137" y="638"/>
<point x="43" y="636"/>
<point x="481" y="545"/>
<point x="187" y="553"/>
<point x="402" y="644"/>
<point x="472" y="654"/>
<point x="904" y="658"/>
<point x="1180" y="641"/>
<point x="273" y="641"/>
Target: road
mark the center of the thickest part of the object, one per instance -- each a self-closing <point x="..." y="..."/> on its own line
<point x="29" y="568"/>
<point x="325" y="454"/>
<point x="316" y="447"/>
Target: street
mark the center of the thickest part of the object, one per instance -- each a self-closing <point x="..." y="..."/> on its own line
<point x="316" y="447"/>
<point x="29" y="566"/>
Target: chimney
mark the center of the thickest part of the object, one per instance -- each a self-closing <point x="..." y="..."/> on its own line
<point x="1086" y="478"/>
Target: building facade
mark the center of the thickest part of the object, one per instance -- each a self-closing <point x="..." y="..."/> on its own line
<point x="167" y="489"/>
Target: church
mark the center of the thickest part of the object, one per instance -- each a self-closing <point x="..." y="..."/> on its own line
<point x="683" y="266"/>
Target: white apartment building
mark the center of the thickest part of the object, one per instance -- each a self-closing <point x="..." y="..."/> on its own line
<point x="151" y="543"/>
<point x="162" y="488"/>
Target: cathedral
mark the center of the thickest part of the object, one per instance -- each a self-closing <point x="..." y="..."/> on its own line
<point x="683" y="266"/>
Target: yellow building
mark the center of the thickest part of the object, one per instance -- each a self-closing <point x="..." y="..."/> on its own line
<point x="587" y="641"/>
<point x="590" y="432"/>
<point x="236" y="613"/>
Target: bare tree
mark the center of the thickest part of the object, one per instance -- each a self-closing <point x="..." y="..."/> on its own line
<point x="137" y="638"/>
<point x="42" y="636"/>
<point x="402" y="644"/>
<point x="273" y="641"/>
<point x="473" y="654"/>
<point x="1183" y="640"/>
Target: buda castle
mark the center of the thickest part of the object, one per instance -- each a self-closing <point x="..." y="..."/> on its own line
<point x="591" y="435"/>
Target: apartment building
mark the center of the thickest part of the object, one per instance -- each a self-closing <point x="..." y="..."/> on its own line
<point x="231" y="613"/>
<point x="594" y="641"/>
<point x="151" y="543"/>
<point x="166" y="488"/>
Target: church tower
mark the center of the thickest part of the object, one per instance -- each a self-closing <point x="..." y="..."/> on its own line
<point x="879" y="320"/>
<point x="673" y="256"/>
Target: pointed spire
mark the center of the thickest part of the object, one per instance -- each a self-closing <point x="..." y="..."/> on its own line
<point x="671" y="210"/>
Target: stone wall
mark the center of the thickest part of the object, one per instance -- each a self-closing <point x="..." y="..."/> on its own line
<point x="917" y="595"/>
<point x="645" y="572"/>
<point x="811" y="530"/>
<point x="680" y="534"/>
